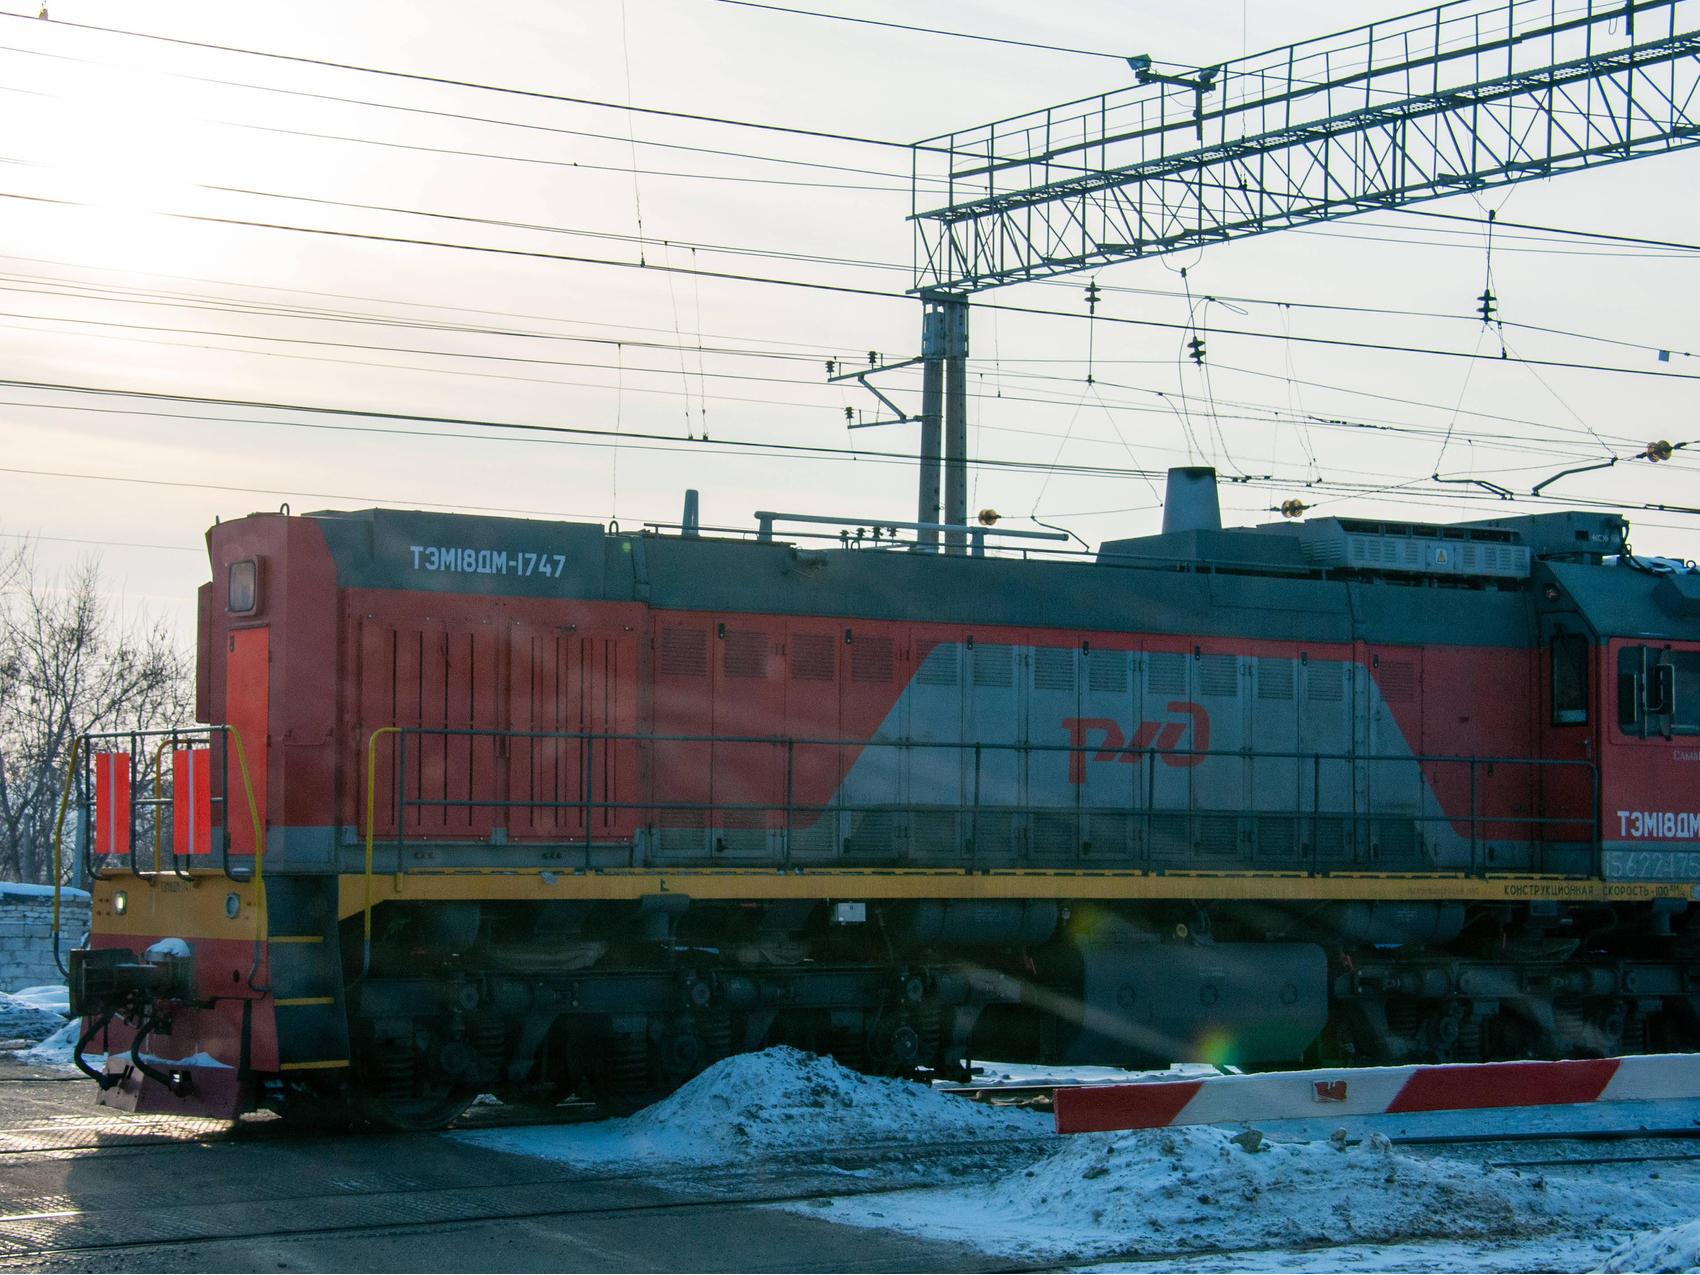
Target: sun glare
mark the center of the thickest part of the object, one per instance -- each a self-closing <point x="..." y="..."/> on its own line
<point x="121" y="149"/>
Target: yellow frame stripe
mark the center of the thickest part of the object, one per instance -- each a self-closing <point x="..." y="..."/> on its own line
<point x="313" y="1066"/>
<point x="839" y="883"/>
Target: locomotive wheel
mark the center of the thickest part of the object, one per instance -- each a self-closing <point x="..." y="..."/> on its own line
<point x="417" y="1113"/>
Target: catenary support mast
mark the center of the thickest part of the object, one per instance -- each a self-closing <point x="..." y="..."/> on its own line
<point x="1459" y="97"/>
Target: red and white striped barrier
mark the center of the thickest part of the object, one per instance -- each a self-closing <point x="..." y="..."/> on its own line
<point x="1374" y="1091"/>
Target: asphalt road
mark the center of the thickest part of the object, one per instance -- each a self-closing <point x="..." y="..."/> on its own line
<point x="85" y="1189"/>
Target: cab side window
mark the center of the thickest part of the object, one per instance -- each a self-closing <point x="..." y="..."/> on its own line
<point x="1685" y="712"/>
<point x="1658" y="691"/>
<point x="1569" y="659"/>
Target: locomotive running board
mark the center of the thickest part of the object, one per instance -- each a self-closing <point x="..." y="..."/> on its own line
<point x="631" y="884"/>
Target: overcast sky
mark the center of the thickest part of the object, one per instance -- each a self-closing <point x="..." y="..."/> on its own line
<point x="102" y="290"/>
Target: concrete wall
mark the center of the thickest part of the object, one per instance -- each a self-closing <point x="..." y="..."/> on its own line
<point x="26" y="933"/>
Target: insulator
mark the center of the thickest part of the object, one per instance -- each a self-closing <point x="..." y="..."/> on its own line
<point x="1293" y="508"/>
<point x="989" y="517"/>
<point x="1485" y="305"/>
<point x="849" y="414"/>
<point x="1195" y="349"/>
<point x="1658" y="451"/>
<point x="832" y="367"/>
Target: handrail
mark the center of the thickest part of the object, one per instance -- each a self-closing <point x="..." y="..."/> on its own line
<point x="1360" y="820"/>
<point x="158" y="823"/>
<point x="964" y="744"/>
<point x="171" y="737"/>
<point x="58" y="842"/>
<point x="371" y="801"/>
<point x="258" y="876"/>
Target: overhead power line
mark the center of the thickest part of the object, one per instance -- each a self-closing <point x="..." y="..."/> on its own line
<point x="582" y="434"/>
<point x="554" y="130"/>
<point x="1500" y="224"/>
<point x="1232" y="410"/>
<point x="339" y="418"/>
<point x="451" y="82"/>
<point x="904" y="26"/>
<point x="814" y="286"/>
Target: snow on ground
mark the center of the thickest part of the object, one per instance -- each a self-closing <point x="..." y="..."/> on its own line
<point x="1118" y="1196"/>
<point x="27" y="1019"/>
<point x="777" y="1102"/>
<point x="1195" y="1198"/>
<point x="1676" y="1248"/>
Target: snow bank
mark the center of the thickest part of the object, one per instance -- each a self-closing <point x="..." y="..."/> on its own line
<point x="988" y="1073"/>
<point x="28" y="889"/>
<point x="53" y="996"/>
<point x="768" y="1104"/>
<point x="1194" y="1189"/>
<point x="24" y="1020"/>
<point x="57" y="1049"/>
<point x="1676" y="1248"/>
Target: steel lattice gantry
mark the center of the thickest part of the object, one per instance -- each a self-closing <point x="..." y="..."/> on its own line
<point x="1459" y="97"/>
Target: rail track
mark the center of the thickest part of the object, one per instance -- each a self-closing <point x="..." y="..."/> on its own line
<point x="103" y="1228"/>
<point x="36" y="1229"/>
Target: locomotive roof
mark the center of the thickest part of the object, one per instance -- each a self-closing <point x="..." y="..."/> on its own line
<point x="1266" y="581"/>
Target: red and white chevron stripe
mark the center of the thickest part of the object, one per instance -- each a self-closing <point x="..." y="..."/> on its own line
<point x="1366" y="1091"/>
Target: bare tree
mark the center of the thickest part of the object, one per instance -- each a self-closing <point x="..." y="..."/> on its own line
<point x="70" y="662"/>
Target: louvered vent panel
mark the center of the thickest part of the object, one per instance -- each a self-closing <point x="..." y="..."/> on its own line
<point x="814" y="657"/>
<point x="683" y="832"/>
<point x="1217" y="834"/>
<point x="1325" y="683"/>
<point x="684" y="652"/>
<point x="940" y="664"/>
<point x="745" y="653"/>
<point x="1274" y="679"/>
<point x="1106" y="672"/>
<point x="871" y="660"/>
<point x="1219" y="675"/>
<point x="1397" y="680"/>
<point x="1055" y="834"/>
<point x="994" y="665"/>
<point x="1053" y="668"/>
<point x="1165" y="673"/>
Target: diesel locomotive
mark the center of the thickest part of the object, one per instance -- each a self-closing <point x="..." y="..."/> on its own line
<point x="536" y="808"/>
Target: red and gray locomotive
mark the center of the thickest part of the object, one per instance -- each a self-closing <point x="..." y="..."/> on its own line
<point x="536" y="808"/>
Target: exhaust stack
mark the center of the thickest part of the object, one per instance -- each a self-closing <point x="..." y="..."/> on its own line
<point x="1190" y="502"/>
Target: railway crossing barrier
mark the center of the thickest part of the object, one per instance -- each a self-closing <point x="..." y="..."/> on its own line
<point x="1376" y="1091"/>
